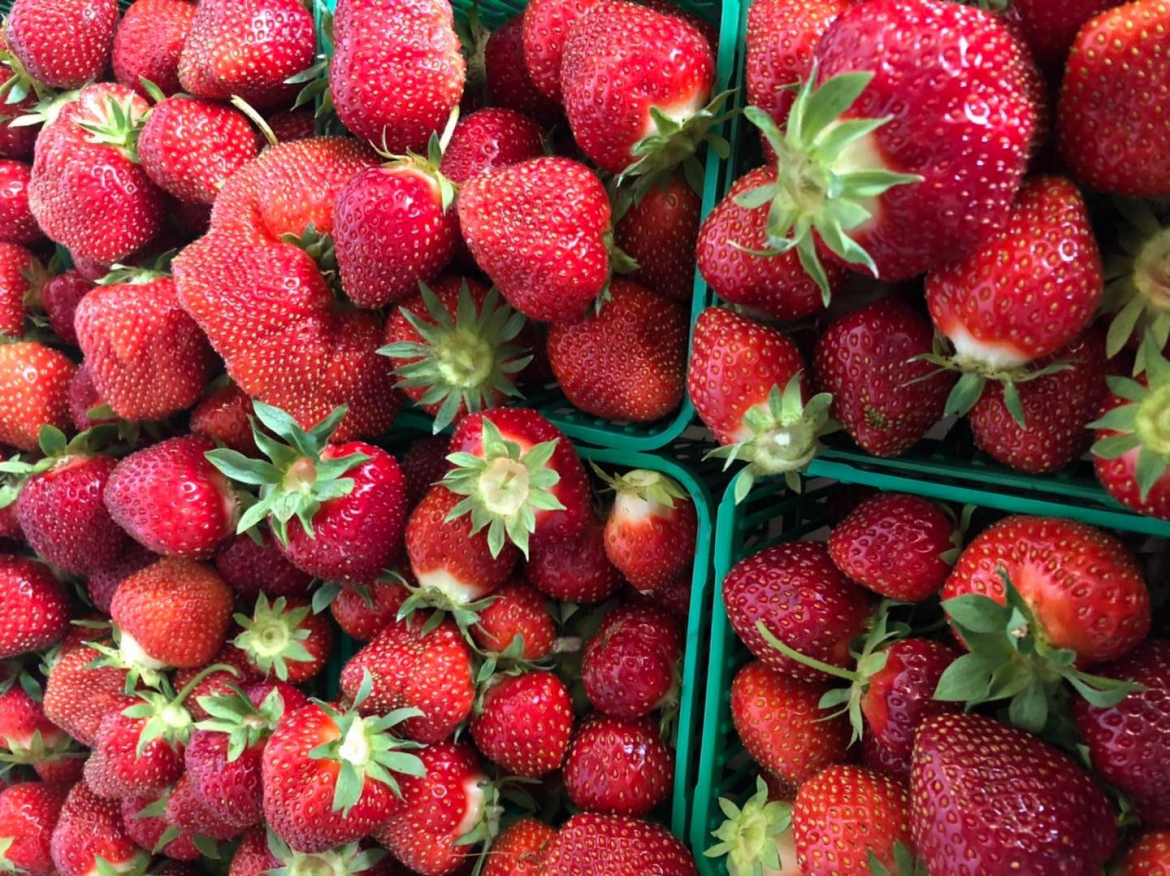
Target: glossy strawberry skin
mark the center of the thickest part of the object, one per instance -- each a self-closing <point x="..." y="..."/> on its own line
<point x="28" y="813"/>
<point x="488" y="139"/>
<point x="592" y="843"/>
<point x="117" y="769"/>
<point x="36" y="607"/>
<point x="630" y="666"/>
<point x="32" y="403"/>
<point x="508" y="79"/>
<point x="617" y="767"/>
<point x="149" y="41"/>
<point x="518" y="610"/>
<point x="545" y="28"/>
<point x="660" y="233"/>
<point x="364" y="611"/>
<point x="90" y="828"/>
<point x="525" y="724"/>
<point x="649" y="541"/>
<point x="63" y="43"/>
<point x="575" y="570"/>
<point x="1149" y="856"/>
<point x="17" y="224"/>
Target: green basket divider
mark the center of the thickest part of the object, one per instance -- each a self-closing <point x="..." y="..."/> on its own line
<point x="769" y="515"/>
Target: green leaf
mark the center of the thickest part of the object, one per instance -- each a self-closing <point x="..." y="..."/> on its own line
<point x="977" y="613"/>
<point x="1029" y="708"/>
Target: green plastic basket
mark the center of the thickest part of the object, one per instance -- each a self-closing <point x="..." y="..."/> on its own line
<point x="770" y="515"/>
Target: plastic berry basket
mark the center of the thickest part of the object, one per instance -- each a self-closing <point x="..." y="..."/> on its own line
<point x="770" y="514"/>
<point x="550" y="401"/>
<point x="694" y="476"/>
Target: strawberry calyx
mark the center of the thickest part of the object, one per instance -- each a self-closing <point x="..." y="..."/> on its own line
<point x="1009" y="660"/>
<point x="427" y="165"/>
<point x="58" y="452"/>
<point x="643" y="493"/>
<point x="162" y="710"/>
<point x="504" y="488"/>
<point x="440" y="604"/>
<point x="342" y="861"/>
<point x="365" y="748"/>
<point x="34" y="750"/>
<point x="750" y="835"/>
<point x="274" y="636"/>
<point x="131" y="275"/>
<point x="117" y="126"/>
<point x="828" y="176"/>
<point x="905" y="862"/>
<point x="297" y="480"/>
<point x="319" y="246"/>
<point x="245" y="724"/>
<point x="18" y="83"/>
<point x="461" y="361"/>
<point x="784" y="434"/>
<point x="1137" y="285"/>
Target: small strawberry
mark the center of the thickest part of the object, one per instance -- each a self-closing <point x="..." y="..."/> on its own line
<point x="289" y="125"/>
<point x="517" y="613"/>
<point x="79" y="694"/>
<point x="519" y="850"/>
<point x="28" y="738"/>
<point x="90" y="833"/>
<point x="285" y="639"/>
<point x="34" y="383"/>
<point x="364" y="610"/>
<point x="509" y="84"/>
<point x="102" y="583"/>
<point x="62" y="43"/>
<point x="60" y="296"/>
<point x="253" y="563"/>
<point x="524" y="722"/>
<point x="626" y="363"/>
<point x="28" y="814"/>
<point x="148" y="43"/>
<point x="21" y="277"/>
<point x="617" y="767"/>
<point x="144" y="816"/>
<point x="1050" y="32"/>
<point x="631" y="665"/>
<point x="576" y="569"/>
<point x="425" y="464"/>
<point x="222" y="415"/>
<point x="17" y="224"/>
<point x="660" y="230"/>
<point x="36" y="607"/>
<point x="592" y="843"/>
<point x="1028" y="809"/>
<point x="1149" y="856"/>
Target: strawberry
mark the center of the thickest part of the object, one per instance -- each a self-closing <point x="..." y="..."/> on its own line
<point x="22" y="96"/>
<point x="284" y="638"/>
<point x="60" y="296"/>
<point x="28" y="814"/>
<point x="747" y="382"/>
<point x="1044" y="259"/>
<point x="758" y="835"/>
<point x="443" y="814"/>
<point x="896" y="545"/>
<point x="517" y="613"/>
<point x="1049" y="32"/>
<point x="901" y="209"/>
<point x="17" y="224"/>
<point x="189" y="148"/>
<point x="539" y="229"/>
<point x="222" y="415"/>
<point x="630" y="666"/>
<point x="456" y="347"/>
<point x="524" y="722"/>
<point x="251" y="568"/>
<point x="104" y="219"/>
<point x="78" y="694"/>
<point x="36" y="613"/>
<point x="27" y="737"/>
<point x="143" y="497"/>
<point x="230" y="668"/>
<point x="247" y="48"/>
<point x="519" y="850"/>
<point x="102" y="583"/>
<point x="62" y="43"/>
<point x="576" y="569"/>
<point x="781" y="725"/>
<point x="91" y="830"/>
<point x="794" y="593"/>
<point x="488" y="139"/>
<point x="1057" y="407"/>
<point x="34" y="383"/>
<point x="1149" y="856"/>
<point x="626" y="363"/>
<point x="617" y="767"/>
<point x="148" y="43"/>
<point x="364" y="610"/>
<point x="545" y="27"/>
<point x="1127" y="743"/>
<point x="509" y="84"/>
<point x="395" y="92"/>
<point x="21" y="275"/>
<point x="1105" y="117"/>
<point x="328" y="775"/>
<point x="145" y="819"/>
<point x="592" y="843"/>
<point x="659" y="230"/>
<point x="884" y="395"/>
<point x="414" y="666"/>
<point x="846" y="817"/>
<point x="261" y="851"/>
<point x="1028" y="809"/>
<point x="289" y="125"/>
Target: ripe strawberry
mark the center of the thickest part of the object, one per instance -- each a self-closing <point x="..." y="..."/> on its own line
<point x="104" y="218"/>
<point x="802" y="599"/>
<point x="524" y="722"/>
<point x="631" y="665"/>
<point x="148" y="43"/>
<point x="660" y="230"/>
<point x="365" y="610"/>
<point x="34" y="383"/>
<point x="28" y="814"/>
<point x="251" y="569"/>
<point x="424" y="464"/>
<point x="519" y="850"/>
<point x="36" y="607"/>
<point x="1028" y="809"/>
<point x="1149" y="856"/>
<point x="413" y="666"/>
<point x="285" y="639"/>
<point x="780" y="722"/>
<point x="539" y="230"/>
<point x="898" y="546"/>
<point x="60" y="296"/>
<point x="1050" y="32"/>
<point x="617" y="767"/>
<point x="27" y="737"/>
<point x="443" y="814"/>
<point x="21" y="275"/>
<point x="747" y="382"/>
<point x="78" y="695"/>
<point x="145" y="819"/>
<point x="489" y="139"/>
<point x="395" y="92"/>
<point x="90" y="829"/>
<point x="247" y="48"/>
<point x="222" y="416"/>
<point x="327" y="776"/>
<point x="545" y="26"/>
<point x="143" y="496"/>
<point x="189" y="148"/>
<point x="576" y="569"/>
<point x="1105" y="116"/>
<point x="62" y="43"/>
<point x="131" y="759"/>
<point x="17" y="224"/>
<point x="613" y="844"/>
<point x="626" y="363"/>
<point x="844" y="816"/>
<point x="1128" y="743"/>
<point x="509" y="84"/>
<point x="517" y="613"/>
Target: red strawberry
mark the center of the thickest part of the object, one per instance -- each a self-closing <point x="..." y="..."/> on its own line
<point x="105" y="218"/>
<point x="285" y="639"/>
<point x="846" y="817"/>
<point x="488" y="139"/>
<point x="251" y="568"/>
<point x="145" y="819"/>
<point x="545" y="28"/>
<point x="21" y="275"/>
<point x="79" y="695"/>
<point x="517" y="612"/>
<point x="1107" y="106"/>
<point x="539" y="230"/>
<point x="1027" y="809"/>
<point x="575" y="570"/>
<point x="148" y="43"/>
<point x="896" y="545"/>
<point x="524" y="723"/>
<point x="17" y="141"/>
<point x="436" y="829"/>
<point x="424" y="464"/>
<point x="27" y="737"/>
<point x="62" y="43"/>
<point x="90" y="830"/>
<point x="247" y="48"/>
<point x="415" y="667"/>
<point x="627" y="362"/>
<point x="365" y="610"/>
<point x="747" y="382"/>
<point x="659" y="230"/>
<point x="127" y="759"/>
<point x="1050" y="32"/>
<point x="395" y="92"/>
<point x="28" y="814"/>
<point x="144" y="497"/>
<point x="613" y="844"/>
<point x="17" y="224"/>
<point x="519" y="850"/>
<point x="223" y="415"/>
<point x="885" y="397"/>
<point x="36" y="607"/>
<point x="1149" y="856"/>
<point x="1128" y="744"/>
<point x="618" y="768"/>
<point x="508" y="82"/>
<point x="189" y="148"/>
<point x="34" y="383"/>
<point x="60" y="296"/>
<point x="102" y="583"/>
<point x="631" y="665"/>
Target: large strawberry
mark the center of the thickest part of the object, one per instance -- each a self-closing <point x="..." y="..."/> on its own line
<point x="630" y="666"/>
<point x="1027" y="809"/>
<point x="90" y="829"/>
<point x="34" y="383"/>
<point x="396" y="89"/>
<point x="36" y="611"/>
<point x="62" y="43"/>
<point x="524" y="722"/>
<point x="285" y="639"/>
<point x="1107" y="106"/>
<point x="29" y="738"/>
<point x="149" y="42"/>
<point x="618" y="767"/>
<point x="614" y="844"/>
